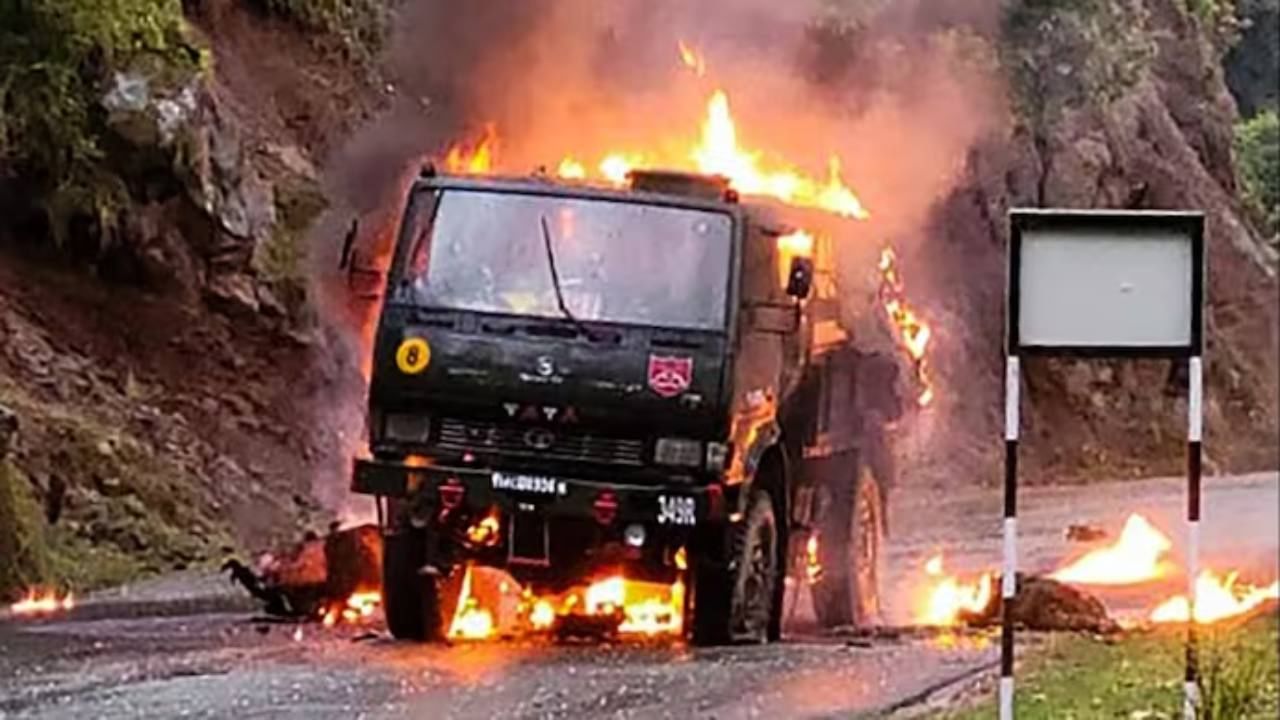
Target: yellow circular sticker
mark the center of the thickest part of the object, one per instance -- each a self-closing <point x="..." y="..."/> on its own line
<point x="413" y="356"/>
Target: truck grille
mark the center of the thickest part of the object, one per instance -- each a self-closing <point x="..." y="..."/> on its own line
<point x="540" y="442"/>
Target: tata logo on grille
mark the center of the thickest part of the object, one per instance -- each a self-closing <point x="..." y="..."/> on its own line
<point x="670" y="376"/>
<point x="539" y="439"/>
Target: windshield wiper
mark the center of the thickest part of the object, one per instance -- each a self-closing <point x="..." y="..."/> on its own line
<point x="555" y="280"/>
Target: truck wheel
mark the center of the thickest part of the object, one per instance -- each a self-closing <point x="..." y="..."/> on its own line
<point x="737" y="604"/>
<point x="852" y="533"/>
<point x="411" y="600"/>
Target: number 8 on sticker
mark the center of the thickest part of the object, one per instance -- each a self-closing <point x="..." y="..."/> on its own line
<point x="413" y="356"/>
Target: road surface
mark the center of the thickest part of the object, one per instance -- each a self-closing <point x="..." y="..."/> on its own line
<point x="180" y="647"/>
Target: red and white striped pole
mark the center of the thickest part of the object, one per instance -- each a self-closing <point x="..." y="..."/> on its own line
<point x="1009" y="580"/>
<point x="1195" y="429"/>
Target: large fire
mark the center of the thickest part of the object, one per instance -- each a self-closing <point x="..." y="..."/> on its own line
<point x="638" y="607"/>
<point x="47" y="602"/>
<point x="716" y="151"/>
<point x="1137" y="556"/>
<point x="947" y="596"/>
<point x="1216" y="599"/>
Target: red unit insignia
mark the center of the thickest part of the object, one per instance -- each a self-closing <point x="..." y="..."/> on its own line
<point x="670" y="376"/>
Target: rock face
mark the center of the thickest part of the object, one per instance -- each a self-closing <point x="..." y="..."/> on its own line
<point x="203" y="205"/>
<point x="1159" y="137"/>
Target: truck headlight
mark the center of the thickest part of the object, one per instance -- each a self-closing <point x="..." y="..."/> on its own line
<point x="406" y="428"/>
<point x="717" y="456"/>
<point x="678" y="451"/>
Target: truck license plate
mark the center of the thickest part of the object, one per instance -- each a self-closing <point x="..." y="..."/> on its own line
<point x="537" y="484"/>
<point x="677" y="510"/>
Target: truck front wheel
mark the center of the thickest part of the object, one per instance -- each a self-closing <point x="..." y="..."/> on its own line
<point x="410" y="598"/>
<point x="736" y="603"/>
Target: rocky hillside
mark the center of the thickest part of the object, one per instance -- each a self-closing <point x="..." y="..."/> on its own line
<point x="174" y="394"/>
<point x="174" y="178"/>
<point x="1118" y="105"/>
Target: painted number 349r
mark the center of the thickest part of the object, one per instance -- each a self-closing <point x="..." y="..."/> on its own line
<point x="677" y="510"/>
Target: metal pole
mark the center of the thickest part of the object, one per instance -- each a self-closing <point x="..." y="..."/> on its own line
<point x="1195" y="428"/>
<point x="1009" y="581"/>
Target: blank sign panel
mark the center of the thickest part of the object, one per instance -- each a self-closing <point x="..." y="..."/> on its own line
<point x="1107" y="281"/>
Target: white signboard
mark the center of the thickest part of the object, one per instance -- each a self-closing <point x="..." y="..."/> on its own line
<point x="1105" y="282"/>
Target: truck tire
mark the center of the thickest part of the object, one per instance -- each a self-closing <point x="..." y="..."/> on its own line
<point x="851" y="537"/>
<point x="410" y="599"/>
<point x="738" y="603"/>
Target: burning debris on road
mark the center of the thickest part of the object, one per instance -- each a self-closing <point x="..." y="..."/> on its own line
<point x="336" y="579"/>
<point x="42" y="602"/>
<point x="330" y="578"/>
<point x="1135" y="562"/>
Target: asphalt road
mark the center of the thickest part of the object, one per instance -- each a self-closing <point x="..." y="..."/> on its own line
<point x="180" y="647"/>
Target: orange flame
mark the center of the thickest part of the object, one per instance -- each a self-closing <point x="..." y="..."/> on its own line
<point x="647" y="608"/>
<point x="485" y="530"/>
<point x="47" y="602"/>
<point x="715" y="152"/>
<point x="1216" y="599"/>
<point x="477" y="160"/>
<point x="948" y="597"/>
<point x="718" y="153"/>
<point x="470" y="621"/>
<point x="359" y="607"/>
<point x="1135" y="557"/>
<point x="571" y="169"/>
<point x="913" y="333"/>
<point x="693" y="59"/>
<point x="812" y="566"/>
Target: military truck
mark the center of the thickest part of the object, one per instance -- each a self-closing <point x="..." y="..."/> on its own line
<point x="653" y="378"/>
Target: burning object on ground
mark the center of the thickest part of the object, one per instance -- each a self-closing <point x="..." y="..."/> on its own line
<point x="1042" y="603"/>
<point x="1217" y="598"/>
<point x="1136" y="556"/>
<point x="330" y="578"/>
<point x="42" y="602"/>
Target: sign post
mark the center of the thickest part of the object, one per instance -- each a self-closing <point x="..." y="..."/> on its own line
<point x="1103" y="284"/>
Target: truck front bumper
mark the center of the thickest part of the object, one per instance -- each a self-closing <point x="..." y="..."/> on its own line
<point x="676" y="505"/>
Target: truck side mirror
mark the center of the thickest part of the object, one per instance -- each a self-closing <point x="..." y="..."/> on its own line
<point x="800" y="277"/>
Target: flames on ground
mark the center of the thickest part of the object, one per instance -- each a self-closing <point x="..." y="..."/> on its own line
<point x="1136" y="559"/>
<point x="38" y="602"/>
<point x="611" y="604"/>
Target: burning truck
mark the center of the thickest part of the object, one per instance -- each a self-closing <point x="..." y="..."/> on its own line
<point x="648" y="384"/>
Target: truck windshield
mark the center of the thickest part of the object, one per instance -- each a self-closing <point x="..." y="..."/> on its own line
<point x="617" y="261"/>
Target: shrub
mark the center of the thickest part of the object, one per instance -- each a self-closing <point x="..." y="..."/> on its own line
<point x="54" y="58"/>
<point x="1257" y="149"/>
<point x="359" y="24"/>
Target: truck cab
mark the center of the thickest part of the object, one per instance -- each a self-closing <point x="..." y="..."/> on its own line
<point x="651" y="380"/>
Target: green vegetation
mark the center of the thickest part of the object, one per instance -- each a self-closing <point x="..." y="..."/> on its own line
<point x="1141" y="676"/>
<point x="130" y="510"/>
<point x="21" y="561"/>
<point x="1257" y="150"/>
<point x="1062" y="54"/>
<point x="55" y="57"/>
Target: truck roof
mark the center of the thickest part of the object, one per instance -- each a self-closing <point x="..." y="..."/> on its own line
<point x="550" y="185"/>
